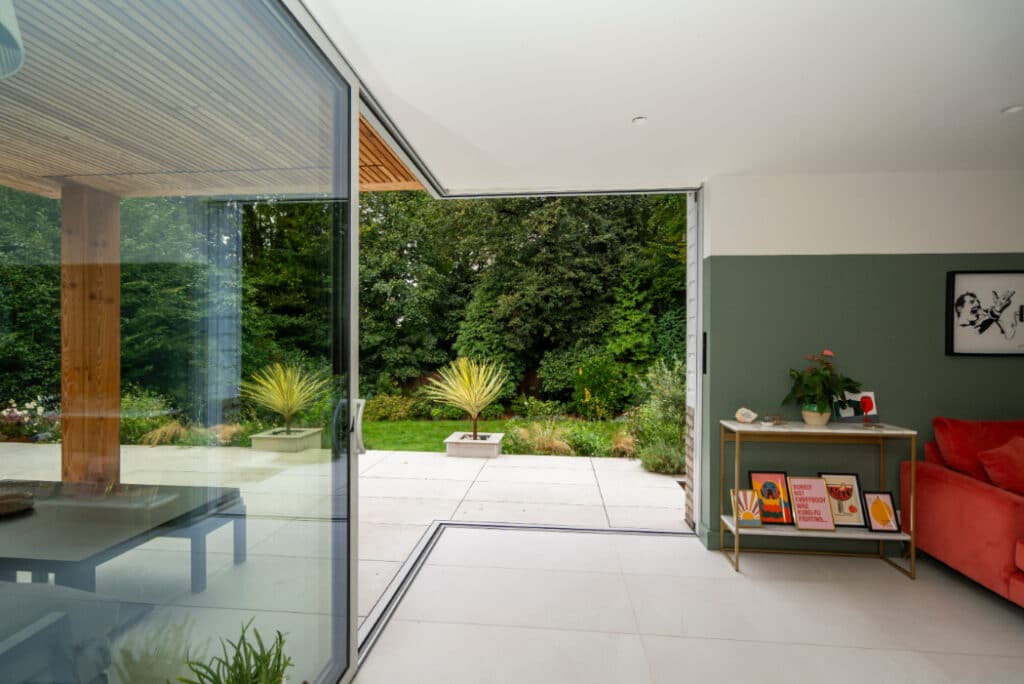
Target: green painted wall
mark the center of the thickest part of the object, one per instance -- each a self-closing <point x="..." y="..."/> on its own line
<point x="884" y="316"/>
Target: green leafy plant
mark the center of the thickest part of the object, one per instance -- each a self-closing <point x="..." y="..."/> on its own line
<point x="666" y="385"/>
<point x="468" y="385"/>
<point x="389" y="407"/>
<point x="819" y="384"/>
<point x="663" y="456"/>
<point x="584" y="441"/>
<point x="243" y="662"/>
<point x="285" y="390"/>
<point x="142" y="412"/>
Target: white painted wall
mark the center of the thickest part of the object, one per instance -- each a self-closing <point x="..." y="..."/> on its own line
<point x="881" y="213"/>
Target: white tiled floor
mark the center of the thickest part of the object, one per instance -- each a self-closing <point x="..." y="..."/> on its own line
<point x="289" y="499"/>
<point x="503" y="606"/>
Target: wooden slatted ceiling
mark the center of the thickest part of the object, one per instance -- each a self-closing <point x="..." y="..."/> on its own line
<point x="379" y="168"/>
<point x="173" y="97"/>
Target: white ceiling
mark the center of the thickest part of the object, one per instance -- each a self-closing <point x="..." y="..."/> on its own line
<point x="537" y="95"/>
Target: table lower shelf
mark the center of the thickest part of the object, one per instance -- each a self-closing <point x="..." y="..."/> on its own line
<point x="856" y="533"/>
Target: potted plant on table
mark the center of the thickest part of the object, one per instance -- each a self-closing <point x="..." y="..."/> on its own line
<point x="285" y="390"/>
<point x="470" y="386"/>
<point x="818" y="386"/>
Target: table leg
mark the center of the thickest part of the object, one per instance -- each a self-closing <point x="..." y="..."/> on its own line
<point x="913" y="508"/>
<point x="881" y="486"/>
<point x="721" y="487"/>
<point x="735" y="522"/>
<point x="198" y="546"/>
<point x="76" y="577"/>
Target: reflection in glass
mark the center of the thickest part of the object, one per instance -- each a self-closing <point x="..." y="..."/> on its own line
<point x="173" y="215"/>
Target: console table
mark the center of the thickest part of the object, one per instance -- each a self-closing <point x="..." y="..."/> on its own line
<point x="798" y="433"/>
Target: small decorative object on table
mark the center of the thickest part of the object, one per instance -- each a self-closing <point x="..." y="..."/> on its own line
<point x="745" y="415"/>
<point x="816" y="387"/>
<point x="13" y="502"/>
<point x="858" y="407"/>
<point x="773" y="419"/>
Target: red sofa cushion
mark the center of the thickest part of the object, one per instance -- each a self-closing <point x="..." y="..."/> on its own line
<point x="1004" y="465"/>
<point x="960" y="441"/>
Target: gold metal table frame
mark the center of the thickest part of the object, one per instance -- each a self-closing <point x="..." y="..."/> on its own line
<point x="797" y="433"/>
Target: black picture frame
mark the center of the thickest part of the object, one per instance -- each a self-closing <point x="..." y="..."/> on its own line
<point x="892" y="504"/>
<point x="996" y="335"/>
<point x="860" y="498"/>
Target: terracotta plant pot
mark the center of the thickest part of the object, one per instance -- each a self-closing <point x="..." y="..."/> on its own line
<point x="815" y="419"/>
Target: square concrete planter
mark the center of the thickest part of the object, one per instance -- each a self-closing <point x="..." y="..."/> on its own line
<point x="299" y="439"/>
<point x="486" y="445"/>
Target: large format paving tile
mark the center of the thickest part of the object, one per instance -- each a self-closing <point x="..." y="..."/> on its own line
<point x="414" y="464"/>
<point x="647" y="518"/>
<point x="634" y="478"/>
<point x="680" y="556"/>
<point x="528" y="549"/>
<point x="273" y="583"/>
<point x="521" y="598"/>
<point x="535" y="492"/>
<point x="413" y="488"/>
<point x="497" y="473"/>
<point x="974" y="669"/>
<point x="405" y="511"/>
<point x="556" y="462"/>
<point x="306" y="538"/>
<point x="659" y="497"/>
<point x="388" y="542"/>
<point x="152" y="576"/>
<point x="374" y="578"/>
<point x="417" y="653"/>
<point x="532" y="513"/>
<point x="673" y="659"/>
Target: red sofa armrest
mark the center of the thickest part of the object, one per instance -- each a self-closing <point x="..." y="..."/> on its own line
<point x="932" y="454"/>
<point x="969" y="525"/>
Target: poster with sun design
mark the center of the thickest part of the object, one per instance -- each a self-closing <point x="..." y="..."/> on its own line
<point x="746" y="508"/>
<point x="881" y="512"/>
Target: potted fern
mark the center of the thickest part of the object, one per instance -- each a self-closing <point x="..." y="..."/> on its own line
<point x="286" y="391"/>
<point x="470" y="386"/>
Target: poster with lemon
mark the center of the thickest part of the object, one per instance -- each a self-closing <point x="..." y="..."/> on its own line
<point x="881" y="512"/>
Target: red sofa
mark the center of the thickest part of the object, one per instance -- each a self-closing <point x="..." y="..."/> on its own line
<point x="963" y="519"/>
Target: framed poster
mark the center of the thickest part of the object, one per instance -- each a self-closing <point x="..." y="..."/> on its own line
<point x="844" y="499"/>
<point x="773" y="496"/>
<point x="984" y="312"/>
<point x="881" y="512"/>
<point x="746" y="508"/>
<point x="860" y="407"/>
<point x="811" y="510"/>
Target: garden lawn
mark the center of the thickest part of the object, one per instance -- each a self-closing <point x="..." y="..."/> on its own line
<point x="429" y="435"/>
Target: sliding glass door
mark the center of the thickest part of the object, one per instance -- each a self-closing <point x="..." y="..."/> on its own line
<point x="175" y="342"/>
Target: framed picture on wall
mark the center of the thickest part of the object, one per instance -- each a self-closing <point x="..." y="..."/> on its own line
<point x="984" y="313"/>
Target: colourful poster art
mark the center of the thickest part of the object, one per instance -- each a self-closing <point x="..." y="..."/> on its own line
<point x="746" y="508"/>
<point x="881" y="512"/>
<point x="811" y="508"/>
<point x="773" y="495"/>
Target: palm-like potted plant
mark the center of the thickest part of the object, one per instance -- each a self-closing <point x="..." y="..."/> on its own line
<point x="818" y="386"/>
<point x="286" y="391"/>
<point x="471" y="386"/>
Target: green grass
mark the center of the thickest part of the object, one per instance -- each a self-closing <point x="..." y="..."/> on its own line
<point x="429" y="435"/>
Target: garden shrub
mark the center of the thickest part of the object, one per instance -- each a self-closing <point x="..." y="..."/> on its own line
<point x="516" y="440"/>
<point x="446" y="412"/>
<point x="546" y="438"/>
<point x="559" y="369"/>
<point x="603" y="388"/>
<point x="584" y="441"/>
<point x="493" y="411"/>
<point x="388" y="407"/>
<point x="623" y="445"/>
<point x="142" y="412"/>
<point x="663" y="456"/>
<point x="535" y="408"/>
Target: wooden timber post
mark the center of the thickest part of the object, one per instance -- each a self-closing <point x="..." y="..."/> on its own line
<point x="90" y="335"/>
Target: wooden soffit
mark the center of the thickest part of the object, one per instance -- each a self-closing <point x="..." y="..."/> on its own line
<point x="185" y="98"/>
<point x="380" y="169"/>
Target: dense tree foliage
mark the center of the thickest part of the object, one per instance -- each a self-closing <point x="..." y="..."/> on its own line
<point x="577" y="297"/>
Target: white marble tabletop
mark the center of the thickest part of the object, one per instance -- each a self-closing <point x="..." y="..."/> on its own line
<point x="830" y="430"/>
